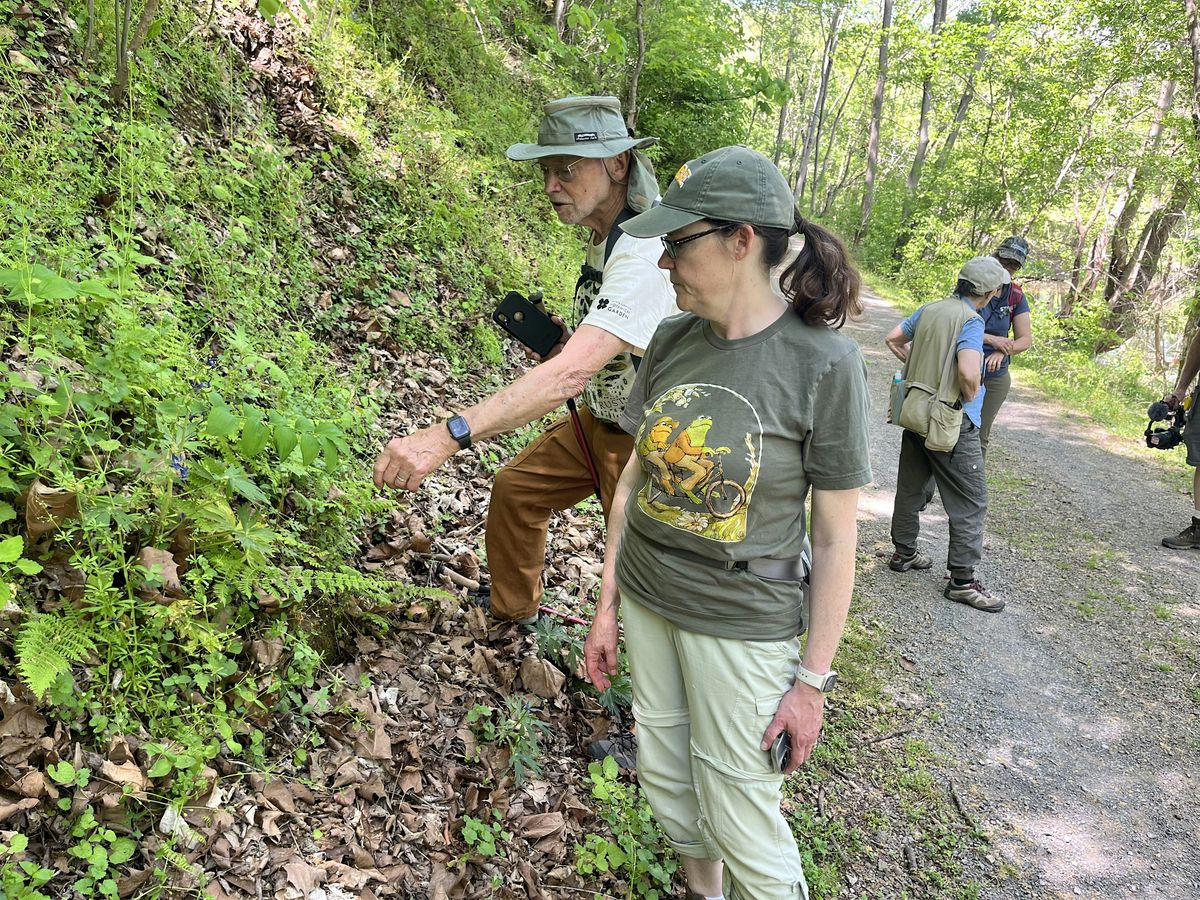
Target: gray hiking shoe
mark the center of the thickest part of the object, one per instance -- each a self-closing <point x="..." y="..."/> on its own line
<point x="973" y="595"/>
<point x="1188" y="539"/>
<point x="900" y="563"/>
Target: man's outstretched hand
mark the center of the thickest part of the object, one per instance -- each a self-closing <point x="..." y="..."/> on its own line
<point x="405" y="461"/>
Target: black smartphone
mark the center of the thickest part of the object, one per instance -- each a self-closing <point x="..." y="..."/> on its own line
<point x="781" y="751"/>
<point x="528" y="323"/>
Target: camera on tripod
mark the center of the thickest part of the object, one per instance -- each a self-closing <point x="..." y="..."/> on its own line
<point x="1172" y="435"/>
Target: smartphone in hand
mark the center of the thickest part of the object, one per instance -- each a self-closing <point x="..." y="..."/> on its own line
<point x="528" y="323"/>
<point x="781" y="751"/>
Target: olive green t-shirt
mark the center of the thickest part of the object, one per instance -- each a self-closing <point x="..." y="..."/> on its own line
<point x="730" y="435"/>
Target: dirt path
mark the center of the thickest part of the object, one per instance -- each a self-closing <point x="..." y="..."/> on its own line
<point x="1069" y="721"/>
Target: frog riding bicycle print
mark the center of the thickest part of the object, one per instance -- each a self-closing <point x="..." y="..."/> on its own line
<point x="695" y="481"/>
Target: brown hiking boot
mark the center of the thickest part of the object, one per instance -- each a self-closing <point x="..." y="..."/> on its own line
<point x="974" y="595"/>
<point x="1188" y="539"/>
<point x="918" y="560"/>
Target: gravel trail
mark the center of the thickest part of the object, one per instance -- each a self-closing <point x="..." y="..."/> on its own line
<point x="1068" y="722"/>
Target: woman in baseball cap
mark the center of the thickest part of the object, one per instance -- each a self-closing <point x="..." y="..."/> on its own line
<point x="743" y="406"/>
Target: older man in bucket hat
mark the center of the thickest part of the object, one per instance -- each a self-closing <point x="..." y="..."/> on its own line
<point x="925" y="342"/>
<point x="594" y="176"/>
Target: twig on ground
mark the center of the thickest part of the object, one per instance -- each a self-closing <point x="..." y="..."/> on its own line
<point x="887" y="737"/>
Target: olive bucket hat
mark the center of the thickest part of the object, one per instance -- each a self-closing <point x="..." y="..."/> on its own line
<point x="581" y="126"/>
<point x="1015" y="248"/>
<point x="733" y="184"/>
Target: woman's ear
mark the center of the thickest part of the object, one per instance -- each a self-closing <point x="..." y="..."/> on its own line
<point x="743" y="241"/>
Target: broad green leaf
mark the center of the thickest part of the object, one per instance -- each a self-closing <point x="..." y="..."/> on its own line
<point x="162" y="766"/>
<point x="62" y="773"/>
<point x="270" y="8"/>
<point x="285" y="440"/>
<point x="11" y="549"/>
<point x="35" y="283"/>
<point x="28" y="566"/>
<point x="222" y="422"/>
<point x="255" y="433"/>
<point x="310" y="448"/>
<point x="7" y="513"/>
<point x="122" y="851"/>
<point x="18" y="843"/>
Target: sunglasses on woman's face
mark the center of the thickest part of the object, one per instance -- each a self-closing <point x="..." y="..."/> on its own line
<point x="672" y="246"/>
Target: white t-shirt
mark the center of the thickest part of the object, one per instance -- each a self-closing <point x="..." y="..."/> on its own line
<point x="627" y="296"/>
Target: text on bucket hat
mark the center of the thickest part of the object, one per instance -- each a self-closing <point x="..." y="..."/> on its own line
<point x="581" y="126"/>
<point x="985" y="273"/>
<point x="733" y="184"/>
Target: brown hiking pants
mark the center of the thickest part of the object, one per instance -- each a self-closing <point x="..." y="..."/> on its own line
<point x="548" y="475"/>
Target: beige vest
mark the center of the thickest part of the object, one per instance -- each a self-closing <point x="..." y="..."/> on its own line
<point x="935" y="339"/>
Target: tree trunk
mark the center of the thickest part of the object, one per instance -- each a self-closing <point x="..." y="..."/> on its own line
<point x="913" y="181"/>
<point x="559" y="16"/>
<point x="1082" y="230"/>
<point x="868" y="200"/>
<point x="1120" y="260"/>
<point x="783" y="107"/>
<point x="127" y="48"/>
<point x="964" y="103"/>
<point x="821" y="160"/>
<point x="1122" y="317"/>
<point x="1193" y="21"/>
<point x="818" y="111"/>
<point x="631" y="97"/>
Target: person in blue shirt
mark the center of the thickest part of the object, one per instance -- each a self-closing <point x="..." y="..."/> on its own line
<point x="1006" y="332"/>
<point x="957" y="473"/>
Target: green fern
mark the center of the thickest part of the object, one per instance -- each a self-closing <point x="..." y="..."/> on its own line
<point x="46" y="647"/>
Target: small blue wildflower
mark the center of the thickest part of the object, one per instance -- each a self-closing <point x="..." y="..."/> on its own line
<point x="179" y="466"/>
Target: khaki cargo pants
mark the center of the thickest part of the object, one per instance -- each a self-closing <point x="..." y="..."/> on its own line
<point x="549" y="474"/>
<point x="702" y="704"/>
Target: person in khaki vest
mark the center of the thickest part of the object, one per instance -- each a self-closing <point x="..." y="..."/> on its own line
<point x="927" y="337"/>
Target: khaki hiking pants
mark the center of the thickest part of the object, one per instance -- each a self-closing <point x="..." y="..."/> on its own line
<point x="996" y="393"/>
<point x="702" y="704"/>
<point x="548" y="475"/>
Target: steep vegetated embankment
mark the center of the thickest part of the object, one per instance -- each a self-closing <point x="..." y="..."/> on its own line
<point x="228" y="665"/>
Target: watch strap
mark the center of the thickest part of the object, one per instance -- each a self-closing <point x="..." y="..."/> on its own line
<point x="823" y="682"/>
<point x="460" y="430"/>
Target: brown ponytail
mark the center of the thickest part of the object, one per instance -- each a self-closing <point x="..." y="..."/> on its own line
<point x="821" y="283"/>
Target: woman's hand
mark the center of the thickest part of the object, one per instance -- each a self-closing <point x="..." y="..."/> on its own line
<point x="800" y="714"/>
<point x="993" y="362"/>
<point x="600" y="648"/>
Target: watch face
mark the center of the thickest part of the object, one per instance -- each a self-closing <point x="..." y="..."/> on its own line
<point x="830" y="682"/>
<point x="459" y="428"/>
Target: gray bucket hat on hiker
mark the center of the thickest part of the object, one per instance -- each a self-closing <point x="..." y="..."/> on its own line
<point x="1015" y="248"/>
<point x="985" y="273"/>
<point x="581" y="126"/>
<point x="593" y="127"/>
<point x="733" y="184"/>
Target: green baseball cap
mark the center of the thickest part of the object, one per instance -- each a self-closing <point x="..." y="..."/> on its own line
<point x="985" y="272"/>
<point x="581" y="126"/>
<point x="733" y="184"/>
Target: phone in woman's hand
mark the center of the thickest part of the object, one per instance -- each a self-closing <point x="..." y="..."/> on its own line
<point x="781" y="751"/>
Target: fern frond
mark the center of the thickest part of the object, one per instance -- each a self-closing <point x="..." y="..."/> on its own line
<point x="46" y="647"/>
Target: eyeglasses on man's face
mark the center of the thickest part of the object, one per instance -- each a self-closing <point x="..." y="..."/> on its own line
<point x="562" y="173"/>
<point x="672" y="245"/>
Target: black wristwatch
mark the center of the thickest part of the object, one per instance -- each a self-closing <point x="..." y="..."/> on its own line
<point x="460" y="431"/>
